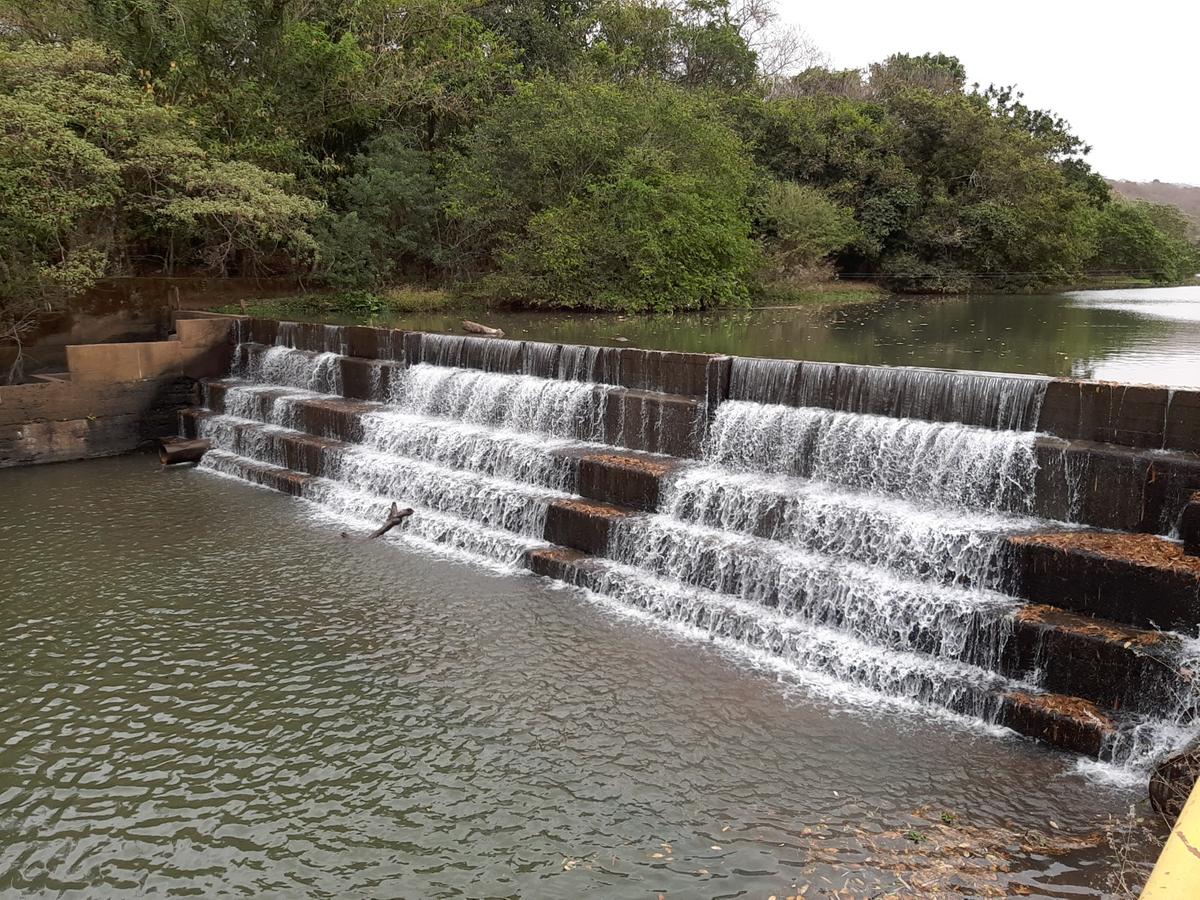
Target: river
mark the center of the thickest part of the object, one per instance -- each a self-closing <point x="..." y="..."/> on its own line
<point x="211" y="691"/>
<point x="1143" y="335"/>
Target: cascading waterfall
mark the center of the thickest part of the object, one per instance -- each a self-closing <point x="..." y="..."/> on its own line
<point x="846" y="522"/>
<point x="954" y="546"/>
<point x="1003" y="402"/>
<point x="289" y="367"/>
<point x="826" y="656"/>
<point x="941" y="463"/>
<point x="476" y="452"/>
<point x="519" y="403"/>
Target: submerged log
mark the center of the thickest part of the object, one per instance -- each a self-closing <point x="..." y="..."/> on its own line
<point x="476" y="328"/>
<point x="180" y="450"/>
<point x="396" y="515"/>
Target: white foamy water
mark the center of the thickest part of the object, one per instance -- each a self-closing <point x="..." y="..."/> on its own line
<point x="521" y="403"/>
<point x="284" y="366"/>
<point x="1004" y="402"/>
<point x="940" y="463"/>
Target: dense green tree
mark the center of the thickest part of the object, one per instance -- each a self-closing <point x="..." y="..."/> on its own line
<point x="802" y="227"/>
<point x="92" y="170"/>
<point x="1144" y="239"/>
<point x="994" y="207"/>
<point x="608" y="153"/>
<point x="296" y="84"/>
<point x="937" y="73"/>
<point x="548" y="36"/>
<point x="391" y="224"/>
<point x="595" y="195"/>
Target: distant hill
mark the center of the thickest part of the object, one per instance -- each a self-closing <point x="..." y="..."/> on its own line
<point x="1185" y="196"/>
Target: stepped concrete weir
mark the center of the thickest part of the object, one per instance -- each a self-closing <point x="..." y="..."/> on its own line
<point x="1017" y="550"/>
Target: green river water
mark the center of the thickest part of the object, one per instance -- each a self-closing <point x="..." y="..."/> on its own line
<point x="1144" y="335"/>
<point x="208" y="692"/>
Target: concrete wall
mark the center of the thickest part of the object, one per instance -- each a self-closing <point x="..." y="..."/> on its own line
<point x="113" y="397"/>
<point x="128" y="309"/>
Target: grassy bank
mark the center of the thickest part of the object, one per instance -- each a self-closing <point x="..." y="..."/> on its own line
<point x="817" y="293"/>
<point x="367" y="307"/>
<point x="361" y="306"/>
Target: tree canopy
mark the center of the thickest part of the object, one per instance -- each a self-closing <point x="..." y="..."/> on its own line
<point x="610" y="154"/>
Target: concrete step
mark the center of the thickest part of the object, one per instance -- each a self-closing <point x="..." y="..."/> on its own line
<point x="1116" y="666"/>
<point x="1136" y="579"/>
<point x="287" y="481"/>
<point x="1143" y="416"/>
<point x="624" y="478"/>
<point x="1107" y="485"/>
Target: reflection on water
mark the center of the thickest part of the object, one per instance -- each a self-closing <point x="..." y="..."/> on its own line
<point x="1149" y="335"/>
<point x="205" y="689"/>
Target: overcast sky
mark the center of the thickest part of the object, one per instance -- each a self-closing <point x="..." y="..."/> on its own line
<point x="1125" y="75"/>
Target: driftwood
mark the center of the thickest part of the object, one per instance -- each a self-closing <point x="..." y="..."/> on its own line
<point x="396" y="515"/>
<point x="181" y="450"/>
<point x="476" y="328"/>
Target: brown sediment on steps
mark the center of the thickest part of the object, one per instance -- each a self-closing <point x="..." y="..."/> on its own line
<point x="287" y="481"/>
<point x="1133" y="579"/>
<point x="582" y="524"/>
<point x="651" y="465"/>
<point x="625" y="479"/>
<point x="1067" y="722"/>
<point x="1086" y="626"/>
<point x="553" y="562"/>
<point x="1113" y="665"/>
<point x="1137" y="549"/>
<point x="592" y="508"/>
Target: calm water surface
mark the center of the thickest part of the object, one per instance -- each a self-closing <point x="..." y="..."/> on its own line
<point x="1149" y="335"/>
<point x="205" y="690"/>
